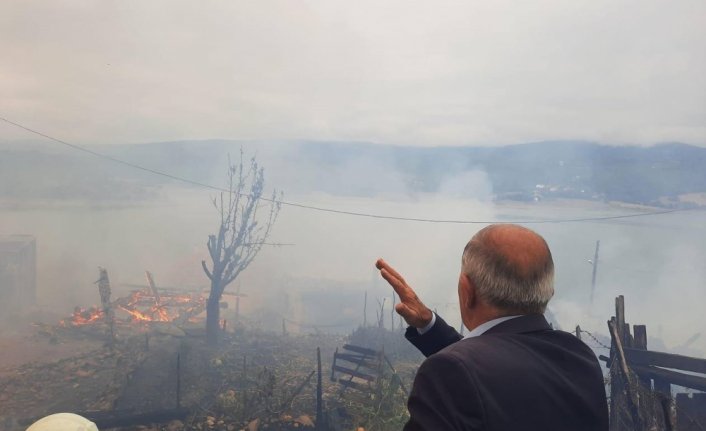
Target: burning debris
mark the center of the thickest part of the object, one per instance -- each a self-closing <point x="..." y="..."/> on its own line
<point x="83" y="316"/>
<point x="139" y="306"/>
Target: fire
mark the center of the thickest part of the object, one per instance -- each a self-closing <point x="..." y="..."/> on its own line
<point x="155" y="313"/>
<point x="82" y="316"/>
<point x="144" y="306"/>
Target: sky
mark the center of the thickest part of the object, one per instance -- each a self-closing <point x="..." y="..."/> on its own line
<point x="393" y="72"/>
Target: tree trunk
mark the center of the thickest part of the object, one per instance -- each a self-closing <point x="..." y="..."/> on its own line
<point x="213" y="317"/>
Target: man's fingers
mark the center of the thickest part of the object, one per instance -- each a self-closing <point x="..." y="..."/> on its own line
<point x="410" y="307"/>
<point x="402" y="290"/>
<point x="381" y="264"/>
<point x="403" y="310"/>
<point x="407" y="314"/>
<point x="414" y="316"/>
<point x="396" y="281"/>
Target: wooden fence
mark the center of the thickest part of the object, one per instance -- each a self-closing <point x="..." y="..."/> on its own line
<point x="641" y="380"/>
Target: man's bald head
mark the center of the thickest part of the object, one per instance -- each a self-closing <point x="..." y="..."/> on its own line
<point x="511" y="268"/>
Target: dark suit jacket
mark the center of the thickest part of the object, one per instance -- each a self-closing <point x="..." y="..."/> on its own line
<point x="519" y="375"/>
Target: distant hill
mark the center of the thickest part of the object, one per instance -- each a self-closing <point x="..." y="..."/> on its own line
<point x="654" y="175"/>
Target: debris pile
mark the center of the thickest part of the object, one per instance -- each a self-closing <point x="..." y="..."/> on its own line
<point x="142" y="306"/>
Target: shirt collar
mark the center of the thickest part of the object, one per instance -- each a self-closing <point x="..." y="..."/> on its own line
<point x="483" y="327"/>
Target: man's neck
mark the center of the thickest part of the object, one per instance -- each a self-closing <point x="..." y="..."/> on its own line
<point x="483" y="327"/>
<point x="480" y="315"/>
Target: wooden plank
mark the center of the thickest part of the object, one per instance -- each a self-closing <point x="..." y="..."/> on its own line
<point x="672" y="377"/>
<point x="627" y="337"/>
<point x="319" y="393"/>
<point x="394" y="372"/>
<point x="640" y="332"/>
<point x="334" y="363"/>
<point x="665" y="360"/>
<point x="660" y="385"/>
<point x="353" y="373"/>
<point x="632" y="398"/>
<point x="640" y="343"/>
<point x="353" y="385"/>
<point x="620" y="317"/>
<point x="364" y="361"/>
<point x="663" y="387"/>
<point x="363" y="350"/>
<point x="352" y="357"/>
<point x="691" y="412"/>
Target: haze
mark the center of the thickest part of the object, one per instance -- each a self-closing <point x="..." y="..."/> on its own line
<point x="397" y="72"/>
<point x="321" y="91"/>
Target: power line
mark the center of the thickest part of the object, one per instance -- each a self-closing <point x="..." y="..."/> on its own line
<point x="331" y="210"/>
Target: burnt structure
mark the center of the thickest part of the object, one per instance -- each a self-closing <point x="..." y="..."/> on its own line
<point x="18" y="272"/>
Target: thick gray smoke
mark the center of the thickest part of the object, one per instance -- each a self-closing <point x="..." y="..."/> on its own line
<point x="656" y="262"/>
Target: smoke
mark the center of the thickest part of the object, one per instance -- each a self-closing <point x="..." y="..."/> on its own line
<point x="656" y="262"/>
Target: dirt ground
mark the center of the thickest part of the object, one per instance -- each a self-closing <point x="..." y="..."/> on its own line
<point x="254" y="376"/>
<point x="15" y="349"/>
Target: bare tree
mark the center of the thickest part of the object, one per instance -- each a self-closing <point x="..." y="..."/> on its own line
<point x="242" y="232"/>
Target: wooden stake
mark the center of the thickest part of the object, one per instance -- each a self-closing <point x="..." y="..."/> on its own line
<point x="389" y="364"/>
<point x="620" y="317"/>
<point x="104" y="291"/>
<point x="319" y="393"/>
<point x="237" y="304"/>
<point x="631" y="396"/>
<point x="178" y="381"/>
<point x="595" y="269"/>
<point x="333" y="378"/>
<point x="381" y="313"/>
<point x="297" y="391"/>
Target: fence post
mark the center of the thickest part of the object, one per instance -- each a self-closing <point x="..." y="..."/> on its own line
<point x="178" y="380"/>
<point x="319" y="393"/>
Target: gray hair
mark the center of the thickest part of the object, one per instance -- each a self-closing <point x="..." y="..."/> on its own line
<point x="503" y="283"/>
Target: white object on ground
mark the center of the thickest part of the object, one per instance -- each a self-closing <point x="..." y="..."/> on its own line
<point x="63" y="422"/>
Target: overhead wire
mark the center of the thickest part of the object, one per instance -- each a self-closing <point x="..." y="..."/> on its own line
<point x="332" y="210"/>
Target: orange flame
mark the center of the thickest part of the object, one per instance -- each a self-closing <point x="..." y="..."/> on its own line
<point x="82" y="316"/>
<point x="142" y="306"/>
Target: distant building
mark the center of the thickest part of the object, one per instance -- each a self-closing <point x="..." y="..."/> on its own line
<point x="18" y="272"/>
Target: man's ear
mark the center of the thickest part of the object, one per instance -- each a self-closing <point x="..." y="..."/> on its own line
<point x="469" y="290"/>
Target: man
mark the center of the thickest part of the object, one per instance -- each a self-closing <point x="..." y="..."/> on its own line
<point x="512" y="371"/>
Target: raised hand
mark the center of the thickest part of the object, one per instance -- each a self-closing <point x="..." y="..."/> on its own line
<point x="410" y="307"/>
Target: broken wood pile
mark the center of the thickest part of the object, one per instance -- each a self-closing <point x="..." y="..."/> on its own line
<point x="144" y="305"/>
<point x="360" y="367"/>
<point x="641" y="396"/>
<point x="397" y="348"/>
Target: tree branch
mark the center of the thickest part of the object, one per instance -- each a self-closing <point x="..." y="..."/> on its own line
<point x="240" y="236"/>
<point x="205" y="269"/>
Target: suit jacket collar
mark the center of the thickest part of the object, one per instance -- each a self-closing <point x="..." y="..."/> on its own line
<point x="521" y="325"/>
